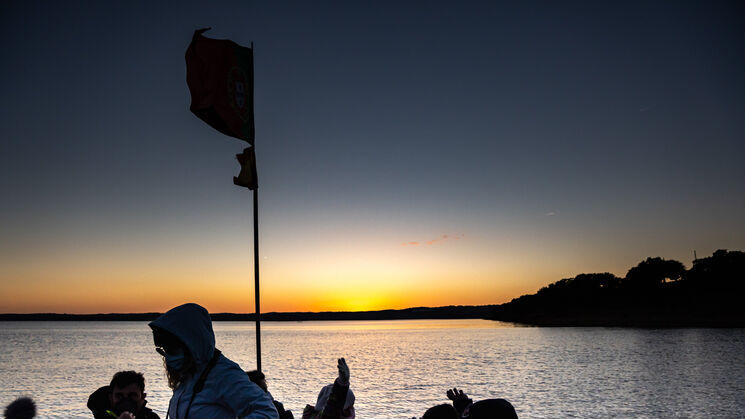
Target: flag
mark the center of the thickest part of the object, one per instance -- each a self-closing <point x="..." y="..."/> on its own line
<point x="219" y="74"/>
<point x="247" y="177"/>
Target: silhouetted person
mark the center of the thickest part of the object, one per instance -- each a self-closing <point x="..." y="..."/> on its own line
<point x="205" y="383"/>
<point x="490" y="408"/>
<point x="21" y="408"/>
<point x="124" y="397"/>
<point x="441" y="411"/>
<point x="258" y="378"/>
<point x="335" y="401"/>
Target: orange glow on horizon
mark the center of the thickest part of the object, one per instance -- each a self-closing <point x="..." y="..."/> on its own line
<point x="332" y="278"/>
<point x="365" y="293"/>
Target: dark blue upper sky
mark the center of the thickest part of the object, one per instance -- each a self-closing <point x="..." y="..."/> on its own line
<point x="584" y="135"/>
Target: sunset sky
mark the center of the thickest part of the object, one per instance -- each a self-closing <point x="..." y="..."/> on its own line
<point x="409" y="153"/>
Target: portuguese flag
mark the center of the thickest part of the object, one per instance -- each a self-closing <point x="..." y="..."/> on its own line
<point x="219" y="74"/>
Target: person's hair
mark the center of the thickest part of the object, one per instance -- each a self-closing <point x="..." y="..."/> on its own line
<point x="258" y="378"/>
<point x="124" y="378"/>
<point x="176" y="378"/>
<point x="255" y="376"/>
<point x="492" y="408"/>
<point x="163" y="337"/>
<point x="441" y="411"/>
<point x="22" y="408"/>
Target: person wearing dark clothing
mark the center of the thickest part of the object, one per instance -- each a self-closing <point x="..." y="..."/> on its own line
<point x="123" y="398"/>
<point x="441" y="411"/>
<point x="335" y="401"/>
<point x="489" y="408"/>
<point x="258" y="378"/>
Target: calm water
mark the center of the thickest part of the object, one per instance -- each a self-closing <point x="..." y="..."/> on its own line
<point x="399" y="368"/>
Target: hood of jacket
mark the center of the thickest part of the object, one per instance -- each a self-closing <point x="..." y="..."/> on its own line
<point x="325" y="393"/>
<point x="190" y="323"/>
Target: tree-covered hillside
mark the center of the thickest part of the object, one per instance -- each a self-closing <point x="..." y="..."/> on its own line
<point x="656" y="292"/>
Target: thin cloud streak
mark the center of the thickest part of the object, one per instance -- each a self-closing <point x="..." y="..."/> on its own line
<point x="441" y="239"/>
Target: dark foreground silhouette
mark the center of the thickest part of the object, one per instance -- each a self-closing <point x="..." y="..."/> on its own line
<point x="654" y="293"/>
<point x="464" y="408"/>
<point x="21" y="408"/>
<point x="258" y="378"/>
<point x="123" y="398"/>
<point x="335" y="401"/>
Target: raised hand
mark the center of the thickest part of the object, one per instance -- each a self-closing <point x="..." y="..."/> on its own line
<point x="456" y="394"/>
<point x="343" y="372"/>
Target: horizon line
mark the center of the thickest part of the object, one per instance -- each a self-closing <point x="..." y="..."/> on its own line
<point x="253" y="313"/>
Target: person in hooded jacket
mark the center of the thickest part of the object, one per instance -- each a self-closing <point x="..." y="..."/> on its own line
<point x="335" y="401"/>
<point x="205" y="383"/>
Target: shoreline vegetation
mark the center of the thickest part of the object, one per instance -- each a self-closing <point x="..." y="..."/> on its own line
<point x="654" y="293"/>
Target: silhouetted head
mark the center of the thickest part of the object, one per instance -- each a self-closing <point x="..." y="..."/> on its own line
<point x="258" y="378"/>
<point x="441" y="411"/>
<point x="491" y="409"/>
<point x="127" y="392"/>
<point x="22" y="408"/>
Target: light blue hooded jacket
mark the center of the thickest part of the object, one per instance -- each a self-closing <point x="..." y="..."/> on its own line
<point x="227" y="393"/>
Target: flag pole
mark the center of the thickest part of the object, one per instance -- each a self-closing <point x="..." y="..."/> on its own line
<point x="256" y="242"/>
<point x="256" y="278"/>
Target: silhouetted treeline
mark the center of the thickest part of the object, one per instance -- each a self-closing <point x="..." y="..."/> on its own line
<point x="654" y="293"/>
<point x="447" y="312"/>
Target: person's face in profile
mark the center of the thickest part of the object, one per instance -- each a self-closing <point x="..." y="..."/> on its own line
<point x="130" y="398"/>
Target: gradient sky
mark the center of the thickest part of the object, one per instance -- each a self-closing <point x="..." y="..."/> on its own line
<point x="409" y="153"/>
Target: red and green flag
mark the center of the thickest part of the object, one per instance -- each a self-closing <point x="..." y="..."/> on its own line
<point x="219" y="74"/>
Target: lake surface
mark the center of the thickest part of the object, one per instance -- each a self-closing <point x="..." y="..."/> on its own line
<point x="400" y="368"/>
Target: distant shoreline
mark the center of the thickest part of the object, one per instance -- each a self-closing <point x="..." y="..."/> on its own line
<point x="421" y="313"/>
<point x="572" y="318"/>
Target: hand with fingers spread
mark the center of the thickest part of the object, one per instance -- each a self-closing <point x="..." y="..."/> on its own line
<point x="460" y="400"/>
<point x="456" y="394"/>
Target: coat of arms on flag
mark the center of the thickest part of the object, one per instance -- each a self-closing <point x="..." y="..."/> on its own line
<point x="219" y="74"/>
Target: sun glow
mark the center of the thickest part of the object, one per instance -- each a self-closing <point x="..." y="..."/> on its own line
<point x="377" y="276"/>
